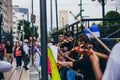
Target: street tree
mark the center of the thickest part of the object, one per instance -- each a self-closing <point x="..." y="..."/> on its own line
<point x="28" y="31"/>
<point x="112" y="14"/>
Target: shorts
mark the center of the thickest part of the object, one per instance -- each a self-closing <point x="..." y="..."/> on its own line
<point x="9" y="56"/>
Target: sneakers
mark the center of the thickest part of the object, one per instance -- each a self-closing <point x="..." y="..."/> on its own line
<point x="26" y="68"/>
<point x="19" y="67"/>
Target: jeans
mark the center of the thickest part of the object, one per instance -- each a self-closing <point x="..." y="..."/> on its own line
<point x="63" y="73"/>
<point x="26" y="60"/>
<point x="70" y="75"/>
<point x="18" y="61"/>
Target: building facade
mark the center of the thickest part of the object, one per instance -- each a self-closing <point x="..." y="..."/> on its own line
<point x="7" y="15"/>
<point x="63" y="18"/>
<point x="6" y="21"/>
<point x="18" y="14"/>
<point x="23" y="11"/>
<point x="0" y="18"/>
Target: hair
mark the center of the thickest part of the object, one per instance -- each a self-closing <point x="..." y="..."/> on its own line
<point x="18" y="43"/>
<point x="83" y="37"/>
<point x="69" y="33"/>
<point x="61" y="33"/>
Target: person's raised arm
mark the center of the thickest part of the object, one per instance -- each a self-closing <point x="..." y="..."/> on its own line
<point x="96" y="66"/>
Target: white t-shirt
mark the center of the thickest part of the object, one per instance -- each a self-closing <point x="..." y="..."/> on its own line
<point x="26" y="48"/>
<point x="112" y="71"/>
<point x="5" y="66"/>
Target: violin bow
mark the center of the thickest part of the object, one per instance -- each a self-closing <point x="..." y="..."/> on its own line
<point x="91" y="33"/>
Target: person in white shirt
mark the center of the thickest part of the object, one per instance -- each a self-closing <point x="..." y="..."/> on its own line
<point x="5" y="66"/>
<point x="112" y="71"/>
<point x="26" y="58"/>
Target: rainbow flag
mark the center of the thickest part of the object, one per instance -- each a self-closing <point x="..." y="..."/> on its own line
<point x="55" y="72"/>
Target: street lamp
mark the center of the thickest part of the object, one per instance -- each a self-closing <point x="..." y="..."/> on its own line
<point x="103" y="2"/>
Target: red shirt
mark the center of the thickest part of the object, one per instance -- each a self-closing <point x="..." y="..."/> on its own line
<point x="17" y="53"/>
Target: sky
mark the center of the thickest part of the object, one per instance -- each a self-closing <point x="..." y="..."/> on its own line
<point x="92" y="9"/>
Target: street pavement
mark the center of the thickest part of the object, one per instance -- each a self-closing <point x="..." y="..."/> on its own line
<point x="34" y="74"/>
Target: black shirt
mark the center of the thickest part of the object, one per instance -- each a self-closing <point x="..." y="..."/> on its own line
<point x="1" y="52"/>
<point x="85" y="67"/>
<point x="73" y="55"/>
<point x="8" y="48"/>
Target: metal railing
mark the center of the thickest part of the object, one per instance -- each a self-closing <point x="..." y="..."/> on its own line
<point x="104" y="30"/>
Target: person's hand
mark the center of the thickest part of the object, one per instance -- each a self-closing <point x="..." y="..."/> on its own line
<point x="59" y="62"/>
<point x="96" y="66"/>
<point x="66" y="54"/>
<point x="93" y="57"/>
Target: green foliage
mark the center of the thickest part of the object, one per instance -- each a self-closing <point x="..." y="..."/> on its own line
<point x="27" y="29"/>
<point x="36" y="29"/>
<point x="112" y="14"/>
<point x="100" y="24"/>
<point x="49" y="37"/>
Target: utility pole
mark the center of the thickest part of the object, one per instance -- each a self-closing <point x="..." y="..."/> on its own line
<point x="32" y="32"/>
<point x="43" y="21"/>
<point x="51" y="14"/>
<point x="103" y="8"/>
<point x="103" y="11"/>
<point x="56" y="17"/>
<point x="81" y="9"/>
<point x="22" y="28"/>
<point x="56" y="14"/>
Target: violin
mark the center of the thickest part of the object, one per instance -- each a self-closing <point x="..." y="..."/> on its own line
<point x="88" y="51"/>
<point x="80" y="50"/>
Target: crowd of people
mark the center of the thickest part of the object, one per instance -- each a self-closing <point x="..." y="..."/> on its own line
<point x="19" y="51"/>
<point x="77" y="60"/>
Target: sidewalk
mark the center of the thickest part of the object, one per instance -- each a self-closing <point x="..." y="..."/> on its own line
<point x="34" y="74"/>
<point x="17" y="74"/>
